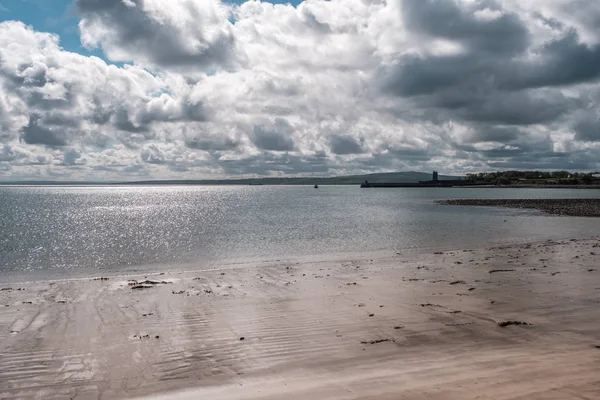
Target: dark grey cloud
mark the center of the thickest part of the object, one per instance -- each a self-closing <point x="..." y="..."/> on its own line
<point x="516" y="108"/>
<point x="277" y="138"/>
<point x="411" y="153"/>
<point x="572" y="162"/>
<point x="588" y="129"/>
<point x="502" y="81"/>
<point x="524" y="150"/>
<point x="194" y="112"/>
<point x="452" y="20"/>
<point x="100" y="115"/>
<point x="345" y="145"/>
<point x="4" y="122"/>
<point x="394" y="159"/>
<point x="479" y="73"/>
<point x="39" y="101"/>
<point x="36" y="134"/>
<point x="499" y="78"/>
<point x="474" y="99"/>
<point x="130" y="32"/>
<point x="561" y="62"/>
<point x="502" y="153"/>
<point x="219" y="143"/>
<point x="61" y="119"/>
<point x="414" y="75"/>
<point x="123" y="122"/>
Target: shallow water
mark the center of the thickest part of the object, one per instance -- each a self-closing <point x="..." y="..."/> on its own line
<point x="56" y="232"/>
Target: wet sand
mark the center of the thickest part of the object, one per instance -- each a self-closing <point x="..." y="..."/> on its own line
<point x="426" y="326"/>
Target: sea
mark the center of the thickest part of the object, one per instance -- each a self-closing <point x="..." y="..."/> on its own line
<point x="58" y="232"/>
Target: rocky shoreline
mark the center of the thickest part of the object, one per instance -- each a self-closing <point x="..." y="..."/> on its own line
<point x="570" y="207"/>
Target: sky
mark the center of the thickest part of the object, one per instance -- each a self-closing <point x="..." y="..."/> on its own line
<point x="184" y="89"/>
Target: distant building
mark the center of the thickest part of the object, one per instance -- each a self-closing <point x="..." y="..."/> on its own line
<point x="435" y="176"/>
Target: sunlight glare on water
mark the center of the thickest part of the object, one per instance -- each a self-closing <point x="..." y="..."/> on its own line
<point x="81" y="231"/>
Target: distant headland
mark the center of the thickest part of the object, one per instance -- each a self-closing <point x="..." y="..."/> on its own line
<point x="409" y="176"/>
<point x="516" y="179"/>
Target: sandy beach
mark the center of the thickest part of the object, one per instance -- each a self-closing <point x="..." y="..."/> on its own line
<point x="512" y="322"/>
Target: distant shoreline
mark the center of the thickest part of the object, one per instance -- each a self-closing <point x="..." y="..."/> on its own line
<point x="409" y="176"/>
<point x="173" y="183"/>
<point x="533" y="186"/>
<point x="400" y="185"/>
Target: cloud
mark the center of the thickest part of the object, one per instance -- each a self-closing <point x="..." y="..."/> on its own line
<point x="71" y="157"/>
<point x="275" y="138"/>
<point x="217" y="143"/>
<point x="183" y="34"/>
<point x="35" y="134"/>
<point x="345" y="145"/>
<point x="588" y="129"/>
<point x="560" y="62"/>
<point x="501" y="75"/>
<point x="205" y="88"/>
<point x="482" y="26"/>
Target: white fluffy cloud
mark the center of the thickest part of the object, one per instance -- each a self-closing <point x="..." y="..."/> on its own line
<point x="211" y="89"/>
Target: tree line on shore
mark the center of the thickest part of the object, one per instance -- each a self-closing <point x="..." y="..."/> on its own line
<point x="536" y="177"/>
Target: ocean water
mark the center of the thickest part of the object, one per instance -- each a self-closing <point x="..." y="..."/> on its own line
<point x="57" y="232"/>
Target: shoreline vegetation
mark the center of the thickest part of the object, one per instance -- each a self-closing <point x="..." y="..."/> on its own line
<point x="567" y="207"/>
<point x="511" y="322"/>
<point x="536" y="178"/>
<point x="532" y="186"/>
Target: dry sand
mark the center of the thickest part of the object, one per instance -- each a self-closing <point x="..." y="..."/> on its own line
<point x="403" y="327"/>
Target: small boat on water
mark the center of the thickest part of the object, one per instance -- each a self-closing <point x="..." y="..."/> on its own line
<point x="316" y="186"/>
